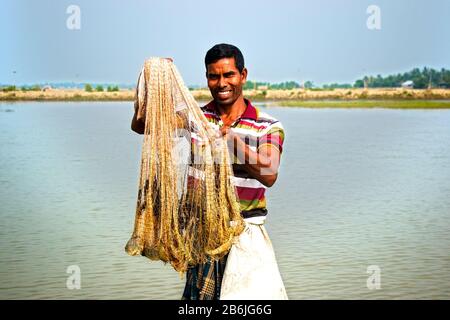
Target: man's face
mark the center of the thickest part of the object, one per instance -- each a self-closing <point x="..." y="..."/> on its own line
<point x="225" y="81"/>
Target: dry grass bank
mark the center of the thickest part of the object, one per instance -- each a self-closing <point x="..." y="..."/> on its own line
<point x="67" y="95"/>
<point x="204" y="94"/>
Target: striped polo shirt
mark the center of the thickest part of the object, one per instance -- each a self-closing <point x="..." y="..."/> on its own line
<point x="256" y="129"/>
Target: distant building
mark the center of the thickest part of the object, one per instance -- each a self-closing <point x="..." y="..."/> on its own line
<point x="265" y="87"/>
<point x="46" y="88"/>
<point x="408" y="84"/>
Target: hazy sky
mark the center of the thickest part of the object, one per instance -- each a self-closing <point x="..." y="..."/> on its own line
<point x="319" y="40"/>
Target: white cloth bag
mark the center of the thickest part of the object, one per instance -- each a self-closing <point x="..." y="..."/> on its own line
<point x="251" y="271"/>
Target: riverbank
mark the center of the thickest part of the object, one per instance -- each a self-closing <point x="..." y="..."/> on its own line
<point x="387" y="104"/>
<point x="67" y="95"/>
<point x="339" y="94"/>
<point x="338" y="98"/>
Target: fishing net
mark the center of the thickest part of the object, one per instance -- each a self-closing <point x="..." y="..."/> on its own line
<point x="187" y="208"/>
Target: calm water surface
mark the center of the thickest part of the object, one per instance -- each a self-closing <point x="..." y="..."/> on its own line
<point x="357" y="188"/>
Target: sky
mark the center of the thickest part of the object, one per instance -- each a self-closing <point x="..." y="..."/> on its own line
<point x="323" y="41"/>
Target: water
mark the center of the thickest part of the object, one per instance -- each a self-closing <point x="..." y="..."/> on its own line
<point x="357" y="188"/>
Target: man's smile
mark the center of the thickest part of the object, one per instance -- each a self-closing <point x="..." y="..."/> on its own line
<point x="224" y="93"/>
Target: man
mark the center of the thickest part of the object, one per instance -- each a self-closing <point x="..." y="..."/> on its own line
<point x="256" y="141"/>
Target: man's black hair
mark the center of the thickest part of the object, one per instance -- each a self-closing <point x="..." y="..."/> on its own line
<point x="224" y="50"/>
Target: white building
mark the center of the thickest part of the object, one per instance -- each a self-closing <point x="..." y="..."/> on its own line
<point x="408" y="84"/>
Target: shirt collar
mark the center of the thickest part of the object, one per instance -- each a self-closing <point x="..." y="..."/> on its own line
<point x="249" y="113"/>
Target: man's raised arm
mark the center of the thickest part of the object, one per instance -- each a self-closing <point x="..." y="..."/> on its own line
<point x="137" y="125"/>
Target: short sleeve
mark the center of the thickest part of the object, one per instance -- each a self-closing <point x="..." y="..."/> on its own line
<point x="273" y="136"/>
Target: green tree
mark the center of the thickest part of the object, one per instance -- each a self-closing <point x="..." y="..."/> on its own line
<point x="88" y="87"/>
<point x="309" y="84"/>
<point x="359" y="84"/>
<point x="9" y="88"/>
<point x="112" y="88"/>
<point x="337" y="86"/>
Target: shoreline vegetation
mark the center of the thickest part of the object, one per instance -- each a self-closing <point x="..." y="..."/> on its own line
<point x="403" y="98"/>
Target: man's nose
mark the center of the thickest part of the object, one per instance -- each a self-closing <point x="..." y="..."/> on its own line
<point x="222" y="82"/>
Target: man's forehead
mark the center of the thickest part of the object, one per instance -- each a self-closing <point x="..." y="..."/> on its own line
<point x="222" y="64"/>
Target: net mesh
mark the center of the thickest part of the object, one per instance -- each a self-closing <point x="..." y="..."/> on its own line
<point x="187" y="208"/>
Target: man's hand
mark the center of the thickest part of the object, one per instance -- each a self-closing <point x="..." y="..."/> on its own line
<point x="138" y="126"/>
<point x="262" y="164"/>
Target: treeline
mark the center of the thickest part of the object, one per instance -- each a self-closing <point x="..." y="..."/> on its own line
<point x="287" y="85"/>
<point x="23" y="88"/>
<point x="87" y="88"/>
<point x="337" y="86"/>
<point x="99" y="88"/>
<point x="421" y="79"/>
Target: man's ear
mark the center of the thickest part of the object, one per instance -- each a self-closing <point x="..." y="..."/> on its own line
<point x="206" y="74"/>
<point x="244" y="75"/>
